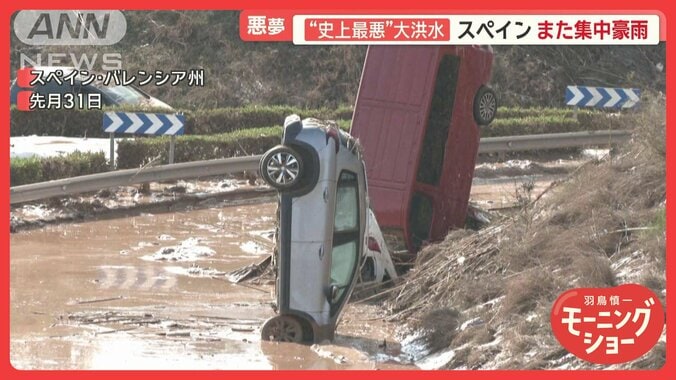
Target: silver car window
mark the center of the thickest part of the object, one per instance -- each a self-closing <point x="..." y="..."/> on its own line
<point x="342" y="265"/>
<point x="347" y="212"/>
<point x="345" y="234"/>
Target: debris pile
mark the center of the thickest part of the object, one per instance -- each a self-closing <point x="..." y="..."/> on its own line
<point x="482" y="299"/>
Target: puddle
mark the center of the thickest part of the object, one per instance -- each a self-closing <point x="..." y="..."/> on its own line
<point x="521" y="164"/>
<point x="195" y="271"/>
<point x="254" y="248"/>
<point x="103" y="294"/>
<point x="190" y="249"/>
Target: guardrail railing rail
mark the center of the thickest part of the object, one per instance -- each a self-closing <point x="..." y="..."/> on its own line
<point x="196" y="169"/>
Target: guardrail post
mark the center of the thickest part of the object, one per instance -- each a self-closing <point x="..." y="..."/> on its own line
<point x="172" y="145"/>
<point x="112" y="151"/>
<point x="575" y="109"/>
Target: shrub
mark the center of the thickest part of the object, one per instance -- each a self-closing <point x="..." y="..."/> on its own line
<point x="25" y="170"/>
<point x="38" y="169"/>
<point x="442" y="327"/>
<point x="73" y="165"/>
<point x="519" y="112"/>
<point x="56" y="123"/>
<point x="525" y="291"/>
<point x="78" y="123"/>
<point x="553" y="123"/>
<point x="132" y="153"/>
<point x="222" y="120"/>
<point x="510" y="121"/>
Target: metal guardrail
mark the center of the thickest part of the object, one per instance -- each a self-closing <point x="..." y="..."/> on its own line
<point x="195" y="169"/>
<point x="93" y="182"/>
<point x="551" y="141"/>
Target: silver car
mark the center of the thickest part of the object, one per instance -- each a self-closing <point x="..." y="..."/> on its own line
<point x="319" y="173"/>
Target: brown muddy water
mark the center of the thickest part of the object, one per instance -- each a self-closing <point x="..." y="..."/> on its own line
<point x="503" y="193"/>
<point x="147" y="292"/>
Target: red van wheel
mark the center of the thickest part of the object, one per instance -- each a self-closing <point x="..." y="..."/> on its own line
<point x="281" y="167"/>
<point x="282" y="328"/>
<point x="485" y="106"/>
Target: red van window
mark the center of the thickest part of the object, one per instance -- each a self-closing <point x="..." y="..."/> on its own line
<point x="438" y="121"/>
<point x="420" y="219"/>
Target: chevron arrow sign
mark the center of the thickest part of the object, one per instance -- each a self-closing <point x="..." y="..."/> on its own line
<point x="144" y="123"/>
<point x="602" y="97"/>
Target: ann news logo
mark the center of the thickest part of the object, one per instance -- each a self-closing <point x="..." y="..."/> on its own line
<point x="70" y="27"/>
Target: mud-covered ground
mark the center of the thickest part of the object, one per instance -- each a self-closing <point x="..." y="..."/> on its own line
<point x="125" y="278"/>
<point x="148" y="291"/>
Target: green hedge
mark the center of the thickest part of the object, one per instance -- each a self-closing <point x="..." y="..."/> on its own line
<point x="531" y="125"/>
<point x="77" y="123"/>
<point x="133" y="153"/>
<point x="39" y="169"/>
<point x="56" y="123"/>
<point x="510" y="121"/>
<point x="230" y="132"/>
<point x="518" y="112"/>
<point x="67" y="123"/>
<point x="222" y="120"/>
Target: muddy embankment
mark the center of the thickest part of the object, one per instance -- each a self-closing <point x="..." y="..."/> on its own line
<point x="481" y="300"/>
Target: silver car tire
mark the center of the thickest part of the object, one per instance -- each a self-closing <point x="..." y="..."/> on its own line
<point x="281" y="167"/>
<point x="282" y="328"/>
<point x="485" y="106"/>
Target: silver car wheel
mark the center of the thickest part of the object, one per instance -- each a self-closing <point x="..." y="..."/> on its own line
<point x="485" y="106"/>
<point x="281" y="167"/>
<point x="282" y="328"/>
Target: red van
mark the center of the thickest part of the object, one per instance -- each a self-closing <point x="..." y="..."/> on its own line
<point x="417" y="117"/>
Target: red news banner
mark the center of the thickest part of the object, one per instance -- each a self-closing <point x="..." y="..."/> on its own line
<point x="594" y="29"/>
<point x="371" y="30"/>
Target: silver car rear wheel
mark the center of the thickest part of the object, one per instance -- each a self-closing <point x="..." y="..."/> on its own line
<point x="282" y="328"/>
<point x="485" y="106"/>
<point x="281" y="167"/>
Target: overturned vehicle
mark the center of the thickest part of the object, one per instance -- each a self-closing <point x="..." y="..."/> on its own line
<point x="322" y="239"/>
